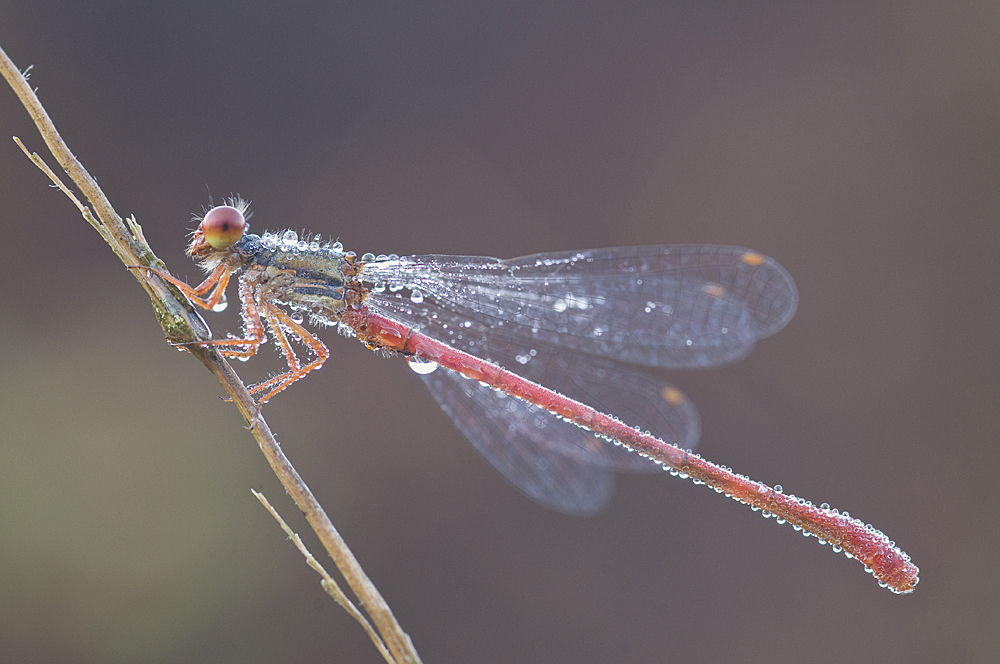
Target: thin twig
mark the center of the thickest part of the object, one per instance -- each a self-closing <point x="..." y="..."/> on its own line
<point x="180" y="322"/>
<point x="328" y="583"/>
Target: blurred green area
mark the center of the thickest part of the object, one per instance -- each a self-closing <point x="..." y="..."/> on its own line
<point x="122" y="503"/>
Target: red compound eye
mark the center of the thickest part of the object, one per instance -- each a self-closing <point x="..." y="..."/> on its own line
<point x="223" y="226"/>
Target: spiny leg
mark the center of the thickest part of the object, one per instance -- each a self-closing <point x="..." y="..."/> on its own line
<point x="281" y="339"/>
<point x="218" y="278"/>
<point x="253" y="326"/>
<point x="280" y="321"/>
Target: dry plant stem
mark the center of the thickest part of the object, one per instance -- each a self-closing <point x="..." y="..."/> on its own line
<point x="328" y="583"/>
<point x="181" y="322"/>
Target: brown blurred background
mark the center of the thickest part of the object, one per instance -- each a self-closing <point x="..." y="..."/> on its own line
<point x="856" y="142"/>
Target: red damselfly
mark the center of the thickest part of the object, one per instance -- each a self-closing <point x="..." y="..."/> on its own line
<point x="535" y="359"/>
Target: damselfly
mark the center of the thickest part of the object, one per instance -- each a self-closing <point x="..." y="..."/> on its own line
<point x="535" y="358"/>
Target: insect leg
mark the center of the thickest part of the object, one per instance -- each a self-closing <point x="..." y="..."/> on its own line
<point x="279" y="322"/>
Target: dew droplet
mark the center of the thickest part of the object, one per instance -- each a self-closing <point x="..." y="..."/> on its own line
<point x="416" y="297"/>
<point x="297" y="317"/>
<point x="367" y="257"/>
<point x="337" y="246"/>
<point x="289" y="238"/>
<point x="421" y="365"/>
<point x="221" y="306"/>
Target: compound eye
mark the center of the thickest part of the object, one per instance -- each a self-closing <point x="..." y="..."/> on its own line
<point x="223" y="226"/>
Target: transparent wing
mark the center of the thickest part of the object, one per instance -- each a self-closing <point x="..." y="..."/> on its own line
<point x="512" y="435"/>
<point x="678" y="306"/>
